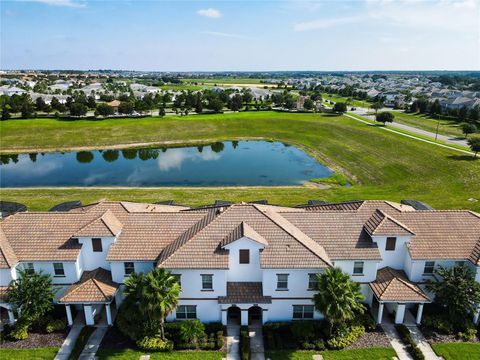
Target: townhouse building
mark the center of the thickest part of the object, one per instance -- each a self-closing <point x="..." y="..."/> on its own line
<point x="239" y="262"/>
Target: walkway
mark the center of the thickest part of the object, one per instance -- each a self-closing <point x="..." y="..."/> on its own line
<point x="422" y="343"/>
<point x="233" y="342"/>
<point x="93" y="344"/>
<point x="257" y="351"/>
<point x="69" y="343"/>
<point x="396" y="342"/>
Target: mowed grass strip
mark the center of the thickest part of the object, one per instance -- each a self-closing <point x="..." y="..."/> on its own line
<point x="458" y="351"/>
<point x="424" y="122"/>
<point x="107" y="354"/>
<point x="354" y="354"/>
<point x="29" y="354"/>
<point x="384" y="165"/>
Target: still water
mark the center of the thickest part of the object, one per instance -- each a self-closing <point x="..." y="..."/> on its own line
<point x="220" y="164"/>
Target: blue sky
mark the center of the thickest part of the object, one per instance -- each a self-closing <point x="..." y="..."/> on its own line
<point x="241" y="35"/>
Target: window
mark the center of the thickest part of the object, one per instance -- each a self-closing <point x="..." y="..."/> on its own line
<point x="460" y="263"/>
<point x="207" y="282"/>
<point x="302" y="312"/>
<point x="129" y="268"/>
<point x="358" y="268"/>
<point x="429" y="267"/>
<point x="391" y="242"/>
<point x="312" y="281"/>
<point x="186" y="312"/>
<point x="245" y="256"/>
<point x="28" y="268"/>
<point x="97" y="245"/>
<point x="178" y="278"/>
<point x="282" y="281"/>
<point x="58" y="269"/>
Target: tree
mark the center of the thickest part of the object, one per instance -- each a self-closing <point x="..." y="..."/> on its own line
<point x="289" y="102"/>
<point x="384" y="117"/>
<point x="340" y="107"/>
<point x="308" y="104"/>
<point x="91" y="102"/>
<point x="236" y="102"/>
<point x="161" y="111"/>
<point x="377" y="105"/>
<point x="125" y="107"/>
<point x="215" y="104"/>
<point x="78" y="109"/>
<point x="104" y="110"/>
<point x="217" y="147"/>
<point x="156" y="295"/>
<point x="468" y="128"/>
<point x="33" y="294"/>
<point x="474" y="143"/>
<point x="337" y="298"/>
<point x="40" y="104"/>
<point x="110" y="155"/>
<point x="457" y="292"/>
<point x="6" y="112"/>
<point x="84" y="157"/>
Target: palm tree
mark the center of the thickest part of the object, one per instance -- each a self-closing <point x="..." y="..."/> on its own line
<point x="155" y="293"/>
<point x="338" y="297"/>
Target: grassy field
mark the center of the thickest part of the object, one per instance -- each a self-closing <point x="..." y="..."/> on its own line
<point x="447" y="127"/>
<point x="104" y="354"/>
<point x="458" y="351"/>
<point x="356" y="354"/>
<point x="354" y="102"/>
<point x="28" y="354"/>
<point x="384" y="165"/>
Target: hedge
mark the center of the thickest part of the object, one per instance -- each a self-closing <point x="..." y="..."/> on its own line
<point x="412" y="347"/>
<point x="244" y="343"/>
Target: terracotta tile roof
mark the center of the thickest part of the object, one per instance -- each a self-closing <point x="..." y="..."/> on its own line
<point x="393" y="285"/>
<point x="94" y="286"/>
<point x="8" y="259"/>
<point x="383" y="224"/>
<point x="105" y="225"/>
<point x="349" y="205"/>
<point x="284" y="250"/>
<point x="243" y="230"/>
<point x="244" y="293"/>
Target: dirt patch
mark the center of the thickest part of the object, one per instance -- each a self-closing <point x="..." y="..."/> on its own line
<point x="36" y="340"/>
<point x="376" y="338"/>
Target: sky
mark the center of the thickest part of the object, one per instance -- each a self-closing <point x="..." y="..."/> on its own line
<point x="240" y="35"/>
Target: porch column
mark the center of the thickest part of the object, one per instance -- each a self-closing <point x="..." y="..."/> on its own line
<point x="109" y="314"/>
<point x="244" y="317"/>
<point x="264" y="316"/>
<point x="224" y="316"/>
<point x="400" y="313"/>
<point x="380" y="313"/>
<point x="11" y="317"/>
<point x="69" y="315"/>
<point x="476" y="317"/>
<point x="89" y="320"/>
<point x="419" y="314"/>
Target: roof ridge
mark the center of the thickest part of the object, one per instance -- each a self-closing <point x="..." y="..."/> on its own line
<point x="397" y="222"/>
<point x="275" y="217"/>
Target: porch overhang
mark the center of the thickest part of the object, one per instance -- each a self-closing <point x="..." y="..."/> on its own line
<point x="244" y="293"/>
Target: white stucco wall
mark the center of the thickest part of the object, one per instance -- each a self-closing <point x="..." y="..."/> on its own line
<point x="417" y="267"/>
<point x="282" y="309"/>
<point x="7" y="275"/>
<point x="46" y="267"/>
<point x="118" y="269"/>
<point x="207" y="310"/>
<point x="244" y="272"/>
<point x="369" y="269"/>
<point x="396" y="258"/>
<point x="297" y="282"/>
<point x="92" y="260"/>
<point x="191" y="282"/>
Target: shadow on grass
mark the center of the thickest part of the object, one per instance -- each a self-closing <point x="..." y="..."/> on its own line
<point x="464" y="157"/>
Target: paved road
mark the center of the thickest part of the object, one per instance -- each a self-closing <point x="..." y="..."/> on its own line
<point x="447" y="139"/>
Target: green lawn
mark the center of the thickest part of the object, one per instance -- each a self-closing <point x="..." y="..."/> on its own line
<point x="104" y="354"/>
<point x="354" y="102"/>
<point x="447" y="127"/>
<point x="383" y="165"/>
<point x="356" y="354"/>
<point x="458" y="351"/>
<point x="29" y="354"/>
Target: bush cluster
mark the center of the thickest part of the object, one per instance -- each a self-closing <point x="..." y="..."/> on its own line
<point x="244" y="343"/>
<point x="412" y="347"/>
<point x="155" y="344"/>
<point x="468" y="335"/>
<point x="348" y="337"/>
<point x="438" y="322"/>
<point x="55" y="325"/>
<point x="17" y="332"/>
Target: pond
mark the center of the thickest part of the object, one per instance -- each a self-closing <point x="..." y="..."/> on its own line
<point x="232" y="163"/>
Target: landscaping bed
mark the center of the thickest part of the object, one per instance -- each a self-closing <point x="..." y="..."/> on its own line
<point x="375" y="338"/>
<point x="36" y="340"/>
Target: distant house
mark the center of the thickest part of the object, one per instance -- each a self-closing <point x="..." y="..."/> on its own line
<point x="114" y="104"/>
<point x="11" y="90"/>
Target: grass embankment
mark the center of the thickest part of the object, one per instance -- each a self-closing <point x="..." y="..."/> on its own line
<point x="384" y="165"/>
<point x="457" y="351"/>
<point x="356" y="354"/>
<point x="353" y="102"/>
<point x="106" y="354"/>
<point x="425" y="122"/>
<point x="29" y="354"/>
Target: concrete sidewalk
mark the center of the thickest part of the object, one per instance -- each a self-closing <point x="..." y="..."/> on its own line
<point x="233" y="342"/>
<point x="69" y="343"/>
<point x="422" y="343"/>
<point x="257" y="350"/>
<point x="396" y="342"/>
<point x="93" y="344"/>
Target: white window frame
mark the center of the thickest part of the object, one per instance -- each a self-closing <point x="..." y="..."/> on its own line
<point x="204" y="282"/>
<point x="29" y="268"/>
<point x="185" y="314"/>
<point x="429" y="265"/>
<point x="131" y="269"/>
<point x="314" y="282"/>
<point x="356" y="265"/>
<point x="58" y="266"/>
<point x="279" y="281"/>
<point x="303" y="312"/>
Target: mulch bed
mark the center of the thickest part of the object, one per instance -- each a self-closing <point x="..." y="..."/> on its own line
<point x="36" y="340"/>
<point x="376" y="338"/>
<point x="434" y="337"/>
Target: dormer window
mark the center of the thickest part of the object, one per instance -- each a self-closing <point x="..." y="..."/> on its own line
<point x="244" y="256"/>
<point x="97" y="245"/>
<point x="391" y="243"/>
<point x="28" y="268"/>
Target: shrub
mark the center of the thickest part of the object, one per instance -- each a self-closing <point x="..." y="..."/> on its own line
<point x="366" y="320"/>
<point x="155" y="344"/>
<point x="308" y="346"/>
<point x="213" y="328"/>
<point x="56" y="325"/>
<point x="468" y="335"/>
<point x="438" y="323"/>
<point x="192" y="332"/>
<point x="19" y="331"/>
<point x="244" y="343"/>
<point x="129" y="322"/>
<point x="408" y="340"/>
<point x="351" y="336"/>
<point x="319" y="345"/>
<point x="219" y="340"/>
<point x="302" y="330"/>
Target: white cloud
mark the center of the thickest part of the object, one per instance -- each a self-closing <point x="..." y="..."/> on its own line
<point x="64" y="3"/>
<point x="173" y="159"/>
<point x="325" y="23"/>
<point x="210" y="13"/>
<point x="222" y="34"/>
